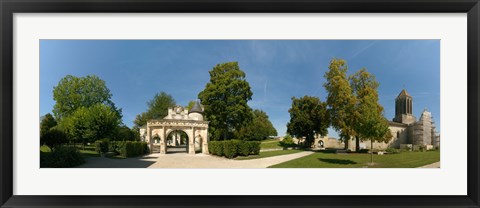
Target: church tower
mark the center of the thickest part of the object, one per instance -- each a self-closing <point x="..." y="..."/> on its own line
<point x="403" y="108"/>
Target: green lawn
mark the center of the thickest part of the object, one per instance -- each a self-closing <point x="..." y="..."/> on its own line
<point x="268" y="154"/>
<point x="270" y="144"/>
<point x="354" y="160"/>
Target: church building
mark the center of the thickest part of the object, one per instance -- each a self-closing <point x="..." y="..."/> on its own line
<point x="407" y="131"/>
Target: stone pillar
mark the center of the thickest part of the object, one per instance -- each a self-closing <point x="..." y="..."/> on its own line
<point x="163" y="142"/>
<point x="149" y="138"/>
<point x="204" y="135"/>
<point x="191" y="140"/>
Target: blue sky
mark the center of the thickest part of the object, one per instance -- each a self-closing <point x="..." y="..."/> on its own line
<point x="134" y="70"/>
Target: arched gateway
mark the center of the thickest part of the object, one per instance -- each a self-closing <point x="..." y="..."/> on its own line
<point x="179" y="119"/>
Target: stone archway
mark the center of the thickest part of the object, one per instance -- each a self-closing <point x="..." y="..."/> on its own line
<point x="179" y="119"/>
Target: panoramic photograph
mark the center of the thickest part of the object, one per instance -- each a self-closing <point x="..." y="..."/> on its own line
<point x="239" y="104"/>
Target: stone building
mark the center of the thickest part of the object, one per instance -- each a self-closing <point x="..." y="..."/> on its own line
<point x="162" y="134"/>
<point x="407" y="132"/>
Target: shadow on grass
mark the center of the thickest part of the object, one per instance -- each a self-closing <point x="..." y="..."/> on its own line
<point x="338" y="161"/>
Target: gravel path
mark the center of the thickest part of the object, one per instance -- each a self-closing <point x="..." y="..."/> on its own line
<point x="183" y="160"/>
<point x="433" y="165"/>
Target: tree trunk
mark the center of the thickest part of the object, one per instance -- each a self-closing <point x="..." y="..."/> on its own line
<point x="357" y="143"/>
<point x="371" y="151"/>
<point x="346" y="142"/>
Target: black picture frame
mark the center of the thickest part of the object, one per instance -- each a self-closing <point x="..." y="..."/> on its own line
<point x="9" y="7"/>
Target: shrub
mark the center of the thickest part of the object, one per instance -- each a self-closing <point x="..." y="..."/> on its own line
<point x="363" y="151"/>
<point x="230" y="148"/>
<point x="131" y="148"/>
<point x="62" y="157"/>
<point x="287" y="141"/>
<point x="101" y="146"/>
<point x="254" y="147"/>
<point x="244" y="148"/>
<point x="216" y="148"/>
<point x="392" y="150"/>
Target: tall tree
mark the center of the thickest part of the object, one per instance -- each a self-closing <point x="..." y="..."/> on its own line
<point x="225" y="100"/>
<point x="73" y="92"/>
<point x="259" y="129"/>
<point x="88" y="124"/>
<point x="157" y="109"/>
<point x="370" y="124"/>
<point x="48" y="121"/>
<point x="308" y="118"/>
<point x="340" y="99"/>
<point x="190" y="105"/>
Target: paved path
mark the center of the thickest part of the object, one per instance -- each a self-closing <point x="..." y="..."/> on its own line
<point x="433" y="165"/>
<point x="183" y="160"/>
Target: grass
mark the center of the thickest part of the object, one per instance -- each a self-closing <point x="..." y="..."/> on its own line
<point x="268" y="154"/>
<point x="270" y="144"/>
<point x="356" y="160"/>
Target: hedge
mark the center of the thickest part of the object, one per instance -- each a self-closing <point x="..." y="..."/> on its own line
<point x="233" y="148"/>
<point x="61" y="157"/>
<point x="124" y="148"/>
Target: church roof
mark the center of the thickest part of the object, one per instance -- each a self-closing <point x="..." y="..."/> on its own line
<point x="404" y="93"/>
<point x="197" y="108"/>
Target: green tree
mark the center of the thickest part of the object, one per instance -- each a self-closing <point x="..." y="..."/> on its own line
<point x="53" y="138"/>
<point x="370" y="124"/>
<point x="88" y="124"/>
<point x="157" y="109"/>
<point x="259" y="129"/>
<point x="73" y="92"/>
<point x="340" y="99"/>
<point x="123" y="133"/>
<point x="48" y="121"/>
<point x="308" y="118"/>
<point x="225" y="100"/>
<point x="190" y="105"/>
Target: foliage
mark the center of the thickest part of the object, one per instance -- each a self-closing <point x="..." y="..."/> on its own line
<point x="308" y="117"/>
<point x="73" y="93"/>
<point x="254" y="147"/>
<point x="53" y="138"/>
<point x="47" y="122"/>
<point x="363" y="151"/>
<point x="243" y="148"/>
<point x="287" y="141"/>
<point x="124" y="148"/>
<point x="190" y="105"/>
<point x="225" y="100"/>
<point x="61" y="157"/>
<point x="87" y="124"/>
<point x="392" y="150"/>
<point x="340" y="100"/>
<point x="233" y="148"/>
<point x="259" y="129"/>
<point x="123" y="133"/>
<point x="370" y="124"/>
<point x="215" y="147"/>
<point x="101" y="146"/>
<point x="157" y="109"/>
<point x="230" y="148"/>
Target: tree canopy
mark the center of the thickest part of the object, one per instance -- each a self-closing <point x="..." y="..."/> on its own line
<point x="225" y="100"/>
<point x="370" y="124"/>
<point x="308" y="118"/>
<point x="48" y="121"/>
<point x="259" y="129"/>
<point x="157" y="108"/>
<point x="73" y="92"/>
<point x="88" y="124"/>
<point x="340" y="100"/>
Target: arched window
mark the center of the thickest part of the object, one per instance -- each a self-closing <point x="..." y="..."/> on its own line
<point x="398" y="134"/>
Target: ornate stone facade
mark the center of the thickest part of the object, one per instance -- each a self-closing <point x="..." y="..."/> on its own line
<point x="191" y="122"/>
